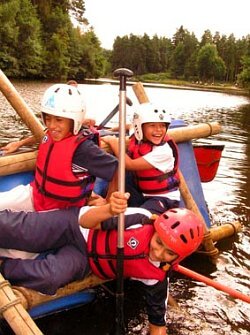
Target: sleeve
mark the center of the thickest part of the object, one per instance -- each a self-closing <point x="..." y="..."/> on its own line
<point x="156" y="296"/>
<point x="97" y="161"/>
<point x="133" y="217"/>
<point x="161" y="157"/>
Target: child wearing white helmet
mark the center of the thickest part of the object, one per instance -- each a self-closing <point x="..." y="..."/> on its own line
<point x="152" y="157"/>
<point x="69" y="157"/>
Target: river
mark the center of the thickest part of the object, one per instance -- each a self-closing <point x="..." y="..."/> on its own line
<point x="203" y="310"/>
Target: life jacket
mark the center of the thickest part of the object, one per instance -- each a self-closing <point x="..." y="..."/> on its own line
<point x="102" y="253"/>
<point x="154" y="181"/>
<point x="55" y="185"/>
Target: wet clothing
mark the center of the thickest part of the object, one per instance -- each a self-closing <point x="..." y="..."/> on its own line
<point x="54" y="177"/>
<point x="62" y="249"/>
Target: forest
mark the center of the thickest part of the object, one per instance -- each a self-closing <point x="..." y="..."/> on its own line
<point x="52" y="39"/>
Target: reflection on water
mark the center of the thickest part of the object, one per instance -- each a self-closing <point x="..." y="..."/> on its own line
<point x="203" y="310"/>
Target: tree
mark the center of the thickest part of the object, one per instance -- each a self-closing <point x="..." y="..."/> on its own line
<point x="21" y="50"/>
<point x="244" y="76"/>
<point x="9" y="37"/>
<point x="184" y="54"/>
<point x="206" y="38"/>
<point x="209" y="64"/>
<point x="29" y="48"/>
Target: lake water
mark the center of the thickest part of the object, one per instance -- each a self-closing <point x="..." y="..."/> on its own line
<point x="204" y="310"/>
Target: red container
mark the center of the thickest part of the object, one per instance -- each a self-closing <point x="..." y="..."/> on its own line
<point x="207" y="159"/>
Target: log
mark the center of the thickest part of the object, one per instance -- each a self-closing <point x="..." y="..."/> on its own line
<point x="31" y="298"/>
<point x="21" y="162"/>
<point x="15" y="163"/>
<point x="20" y="106"/>
<point x="14" y="313"/>
<point x="224" y="231"/>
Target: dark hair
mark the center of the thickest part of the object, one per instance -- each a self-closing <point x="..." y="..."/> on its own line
<point x="72" y="83"/>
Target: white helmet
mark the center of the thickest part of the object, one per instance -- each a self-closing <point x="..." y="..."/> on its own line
<point x="64" y="101"/>
<point x="148" y="112"/>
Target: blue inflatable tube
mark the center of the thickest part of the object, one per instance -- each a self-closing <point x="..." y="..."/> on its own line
<point x="13" y="180"/>
<point x="190" y="172"/>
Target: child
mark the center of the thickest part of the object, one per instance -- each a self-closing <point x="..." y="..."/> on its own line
<point x="152" y="157"/>
<point x="148" y="246"/>
<point x="69" y="158"/>
<point x="31" y="140"/>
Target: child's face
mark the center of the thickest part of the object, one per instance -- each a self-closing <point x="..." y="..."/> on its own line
<point x="154" y="131"/>
<point x="59" y="127"/>
<point x="159" y="251"/>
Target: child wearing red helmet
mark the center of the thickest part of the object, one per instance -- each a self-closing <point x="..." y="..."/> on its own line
<point x="91" y="234"/>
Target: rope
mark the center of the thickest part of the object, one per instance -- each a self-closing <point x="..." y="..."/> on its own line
<point x="4" y="283"/>
<point x="12" y="303"/>
<point x="231" y="224"/>
<point x="211" y="129"/>
<point x="9" y="305"/>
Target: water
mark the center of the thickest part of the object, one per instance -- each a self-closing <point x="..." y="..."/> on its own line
<point x="203" y="310"/>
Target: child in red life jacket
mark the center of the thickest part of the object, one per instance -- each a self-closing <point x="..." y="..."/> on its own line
<point x="32" y="140"/>
<point x="149" y="245"/>
<point x="152" y="157"/>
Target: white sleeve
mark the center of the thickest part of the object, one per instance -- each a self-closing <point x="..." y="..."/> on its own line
<point x="84" y="231"/>
<point x="161" y="157"/>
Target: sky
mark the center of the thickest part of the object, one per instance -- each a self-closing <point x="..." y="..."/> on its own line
<point x="112" y="18"/>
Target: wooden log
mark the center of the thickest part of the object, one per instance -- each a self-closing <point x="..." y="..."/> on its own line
<point x="21" y="162"/>
<point x="140" y="93"/>
<point x="31" y="298"/>
<point x="14" y="313"/>
<point x="224" y="231"/>
<point x="21" y="107"/>
<point x="191" y="132"/>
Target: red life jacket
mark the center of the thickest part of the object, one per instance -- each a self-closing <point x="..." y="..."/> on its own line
<point x="102" y="250"/>
<point x="55" y="185"/>
<point x="154" y="181"/>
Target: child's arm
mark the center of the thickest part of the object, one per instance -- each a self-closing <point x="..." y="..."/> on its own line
<point x="14" y="146"/>
<point x="131" y="164"/>
<point x="95" y="215"/>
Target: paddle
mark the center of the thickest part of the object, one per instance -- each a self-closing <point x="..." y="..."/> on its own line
<point x="112" y="113"/>
<point x="21" y="107"/>
<point x="123" y="74"/>
<point x="192" y="274"/>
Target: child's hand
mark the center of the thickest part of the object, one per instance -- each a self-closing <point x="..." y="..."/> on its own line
<point x="96" y="200"/>
<point x="10" y="147"/>
<point x="118" y="202"/>
<point x="89" y="122"/>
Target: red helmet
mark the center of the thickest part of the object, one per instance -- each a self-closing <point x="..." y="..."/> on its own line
<point x="181" y="230"/>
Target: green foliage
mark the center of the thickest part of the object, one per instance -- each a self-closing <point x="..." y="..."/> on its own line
<point x="8" y="37"/>
<point x="209" y="65"/>
<point x="39" y="40"/>
<point x="244" y="76"/>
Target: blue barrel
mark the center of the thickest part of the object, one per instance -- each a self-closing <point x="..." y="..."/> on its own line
<point x="190" y="172"/>
<point x="13" y="180"/>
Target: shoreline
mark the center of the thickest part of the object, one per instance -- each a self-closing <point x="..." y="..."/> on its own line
<point x="193" y="87"/>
